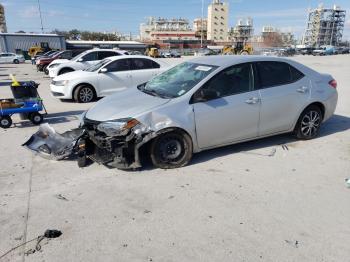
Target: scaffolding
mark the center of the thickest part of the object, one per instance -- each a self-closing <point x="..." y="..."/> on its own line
<point x="324" y="26"/>
<point x="243" y="31"/>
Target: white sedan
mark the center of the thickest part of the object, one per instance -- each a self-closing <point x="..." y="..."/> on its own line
<point x="81" y="61"/>
<point x="110" y="75"/>
<point x="11" y="58"/>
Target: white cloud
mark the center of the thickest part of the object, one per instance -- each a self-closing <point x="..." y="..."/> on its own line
<point x="30" y="12"/>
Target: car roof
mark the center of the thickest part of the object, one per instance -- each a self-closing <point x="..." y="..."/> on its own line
<point x="129" y="56"/>
<point x="224" y="61"/>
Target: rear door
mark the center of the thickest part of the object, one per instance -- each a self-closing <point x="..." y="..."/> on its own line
<point x="116" y="78"/>
<point x="284" y="91"/>
<point x="143" y="70"/>
<point x="234" y="115"/>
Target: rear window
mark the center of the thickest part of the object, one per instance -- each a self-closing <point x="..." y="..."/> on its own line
<point x="277" y="74"/>
<point x="142" y="63"/>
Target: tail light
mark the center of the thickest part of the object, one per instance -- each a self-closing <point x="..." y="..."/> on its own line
<point x="333" y="83"/>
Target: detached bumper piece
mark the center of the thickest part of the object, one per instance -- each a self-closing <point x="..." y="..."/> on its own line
<point x="51" y="145"/>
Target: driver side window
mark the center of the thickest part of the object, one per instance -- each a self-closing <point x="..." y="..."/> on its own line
<point x="90" y="57"/>
<point x="233" y="80"/>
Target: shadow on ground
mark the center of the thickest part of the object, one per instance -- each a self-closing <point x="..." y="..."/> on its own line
<point x="55" y="118"/>
<point x="334" y="125"/>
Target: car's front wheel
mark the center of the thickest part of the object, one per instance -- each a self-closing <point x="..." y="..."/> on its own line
<point x="309" y="123"/>
<point x="171" y="150"/>
<point x="16" y="61"/>
<point x="84" y="94"/>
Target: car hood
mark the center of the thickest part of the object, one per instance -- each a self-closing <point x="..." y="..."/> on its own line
<point x="124" y="104"/>
<point x="73" y="75"/>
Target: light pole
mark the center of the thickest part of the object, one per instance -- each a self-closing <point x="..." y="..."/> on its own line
<point x="41" y="19"/>
<point x="202" y="24"/>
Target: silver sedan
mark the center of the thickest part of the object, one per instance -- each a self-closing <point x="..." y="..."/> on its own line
<point x="205" y="103"/>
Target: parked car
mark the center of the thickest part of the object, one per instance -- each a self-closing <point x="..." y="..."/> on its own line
<point x="82" y="61"/>
<point x="204" y="103"/>
<point x="110" y="75"/>
<point x="47" y="54"/>
<point x="287" y="52"/>
<point x="344" y="50"/>
<point x="43" y="62"/>
<point x="270" y="52"/>
<point x="11" y="58"/>
<point x="324" y="50"/>
<point x="205" y="52"/>
<point x="306" y="51"/>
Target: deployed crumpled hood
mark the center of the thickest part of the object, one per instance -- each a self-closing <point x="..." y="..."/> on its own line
<point x="127" y="103"/>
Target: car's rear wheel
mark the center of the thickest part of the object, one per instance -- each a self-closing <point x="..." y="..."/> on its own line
<point x="309" y="123"/>
<point x="171" y="150"/>
<point x="64" y="71"/>
<point x="16" y="61"/>
<point x="5" y="121"/>
<point x="84" y="94"/>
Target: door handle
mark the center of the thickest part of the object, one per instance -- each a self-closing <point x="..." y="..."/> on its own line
<point x="253" y="100"/>
<point x="303" y="89"/>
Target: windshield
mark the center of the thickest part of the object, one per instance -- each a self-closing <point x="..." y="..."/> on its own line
<point x="178" y="80"/>
<point x="98" y="65"/>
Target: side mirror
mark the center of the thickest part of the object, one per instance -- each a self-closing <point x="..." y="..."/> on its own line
<point x="103" y="70"/>
<point x="80" y="60"/>
<point x="204" y="95"/>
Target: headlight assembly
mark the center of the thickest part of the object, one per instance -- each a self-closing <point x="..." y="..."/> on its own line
<point x="117" y="127"/>
<point x="60" y="83"/>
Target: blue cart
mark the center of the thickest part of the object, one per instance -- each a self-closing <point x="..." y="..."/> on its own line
<point x="29" y="109"/>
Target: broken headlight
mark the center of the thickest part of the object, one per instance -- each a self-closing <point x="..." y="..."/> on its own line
<point x="117" y="127"/>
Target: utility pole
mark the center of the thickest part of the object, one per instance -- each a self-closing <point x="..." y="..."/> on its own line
<point x="202" y="24"/>
<point x="41" y="19"/>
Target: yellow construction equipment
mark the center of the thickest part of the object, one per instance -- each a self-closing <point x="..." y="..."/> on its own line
<point x="152" y="52"/>
<point x="238" y="49"/>
<point x="35" y="49"/>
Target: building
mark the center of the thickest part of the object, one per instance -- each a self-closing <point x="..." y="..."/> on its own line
<point x="242" y="32"/>
<point x="17" y="43"/>
<point x="78" y="46"/>
<point x="3" y="28"/>
<point x="324" y="26"/>
<point x="218" y="21"/>
<point x="166" y="29"/>
<point x="200" y="27"/>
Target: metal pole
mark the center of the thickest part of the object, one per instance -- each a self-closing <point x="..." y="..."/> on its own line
<point x="202" y="24"/>
<point x="41" y="19"/>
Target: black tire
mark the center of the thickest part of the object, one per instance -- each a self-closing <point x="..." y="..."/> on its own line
<point x="5" y="121"/>
<point x="171" y="150"/>
<point x="46" y="71"/>
<point x="16" y="61"/>
<point x="82" y="160"/>
<point x="36" y="118"/>
<point x="309" y="123"/>
<point x="84" y="94"/>
<point x="64" y="71"/>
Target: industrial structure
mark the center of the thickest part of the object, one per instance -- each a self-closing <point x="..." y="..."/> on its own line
<point x="324" y="26"/>
<point x="242" y="32"/>
<point x="16" y="43"/>
<point x="200" y="27"/>
<point x="3" y="28"/>
<point x="218" y="21"/>
<point x="166" y="29"/>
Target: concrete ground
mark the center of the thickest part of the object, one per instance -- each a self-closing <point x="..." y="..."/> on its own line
<point x="255" y="201"/>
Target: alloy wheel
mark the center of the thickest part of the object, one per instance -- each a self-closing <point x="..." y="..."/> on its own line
<point x="86" y="94"/>
<point x="310" y="123"/>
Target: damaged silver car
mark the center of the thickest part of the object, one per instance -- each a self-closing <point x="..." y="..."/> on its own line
<point x="205" y="103"/>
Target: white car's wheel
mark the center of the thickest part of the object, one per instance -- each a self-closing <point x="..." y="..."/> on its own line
<point x="84" y="94"/>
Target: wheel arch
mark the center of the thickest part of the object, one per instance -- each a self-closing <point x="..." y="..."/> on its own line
<point x="84" y="84"/>
<point x="63" y="68"/>
<point x="319" y="104"/>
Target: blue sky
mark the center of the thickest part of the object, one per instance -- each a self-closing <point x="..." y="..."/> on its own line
<point x="126" y="15"/>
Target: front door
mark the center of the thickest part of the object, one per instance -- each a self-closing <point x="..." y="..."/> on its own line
<point x="234" y="114"/>
<point x="116" y="78"/>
